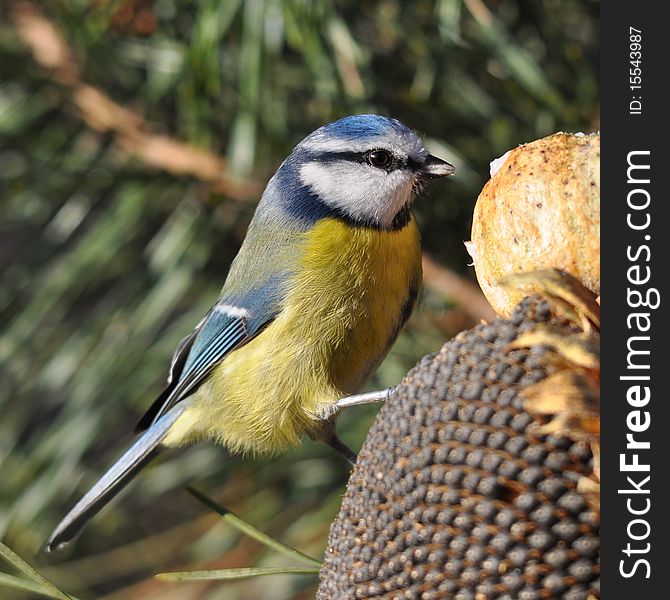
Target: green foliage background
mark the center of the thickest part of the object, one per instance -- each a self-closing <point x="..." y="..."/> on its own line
<point x="106" y="261"/>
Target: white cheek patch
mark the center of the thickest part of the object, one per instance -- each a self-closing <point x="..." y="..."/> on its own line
<point x="362" y="191"/>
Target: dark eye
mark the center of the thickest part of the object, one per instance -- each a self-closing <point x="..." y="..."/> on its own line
<point x="380" y="158"/>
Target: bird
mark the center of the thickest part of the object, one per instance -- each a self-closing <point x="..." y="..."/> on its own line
<point x="327" y="274"/>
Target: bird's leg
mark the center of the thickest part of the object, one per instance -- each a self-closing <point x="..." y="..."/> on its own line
<point x="367" y="398"/>
<point x="342" y="449"/>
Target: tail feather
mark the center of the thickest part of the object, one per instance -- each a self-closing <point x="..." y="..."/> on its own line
<point x="114" y="480"/>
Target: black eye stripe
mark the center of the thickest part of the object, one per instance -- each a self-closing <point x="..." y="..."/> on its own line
<point x="359" y="157"/>
<point x="415" y="165"/>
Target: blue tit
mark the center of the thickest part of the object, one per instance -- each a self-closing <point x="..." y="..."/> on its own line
<point x="327" y="275"/>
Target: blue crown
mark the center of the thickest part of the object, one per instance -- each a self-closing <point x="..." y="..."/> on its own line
<point x="357" y="127"/>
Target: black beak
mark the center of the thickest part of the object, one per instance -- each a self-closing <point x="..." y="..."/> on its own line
<point x="433" y="167"/>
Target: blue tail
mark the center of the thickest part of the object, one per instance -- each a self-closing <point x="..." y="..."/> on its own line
<point x="114" y="480"/>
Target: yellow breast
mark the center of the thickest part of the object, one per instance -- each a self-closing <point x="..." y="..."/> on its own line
<point x="341" y="313"/>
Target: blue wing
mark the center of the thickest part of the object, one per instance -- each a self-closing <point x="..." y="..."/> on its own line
<point x="226" y="326"/>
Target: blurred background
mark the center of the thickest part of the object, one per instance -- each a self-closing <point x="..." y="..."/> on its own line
<point x="135" y="139"/>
